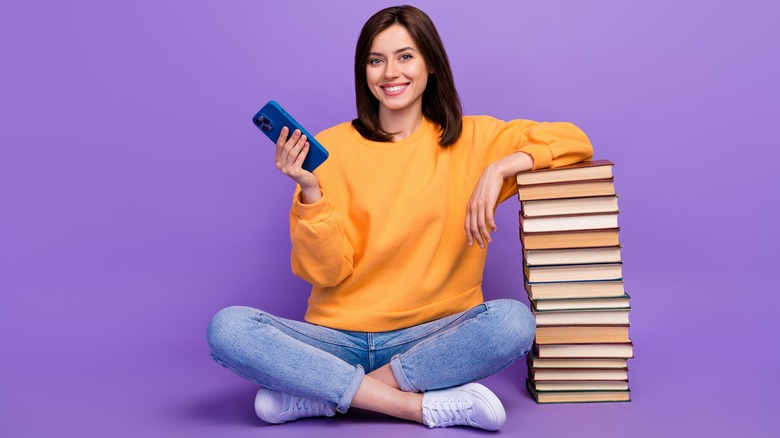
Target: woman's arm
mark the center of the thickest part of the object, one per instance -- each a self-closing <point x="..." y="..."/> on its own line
<point x="321" y="253"/>
<point x="479" y="211"/>
<point x="290" y="154"/>
<point x="514" y="147"/>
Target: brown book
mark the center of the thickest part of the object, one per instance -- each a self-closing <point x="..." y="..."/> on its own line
<point x="582" y="334"/>
<point x="581" y="317"/>
<point x="580" y="289"/>
<point x="598" y="271"/>
<point x="552" y="207"/>
<point x="570" y="239"/>
<point x="590" y="221"/>
<point x="581" y="385"/>
<point x="572" y="256"/>
<point x="578" y="374"/>
<point x="594" y="169"/>
<point x="582" y="303"/>
<point x="576" y="396"/>
<point x="538" y="362"/>
<point x="585" y="351"/>
<point x="572" y="189"/>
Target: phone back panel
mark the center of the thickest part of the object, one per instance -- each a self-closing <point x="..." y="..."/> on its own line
<point x="272" y="118"/>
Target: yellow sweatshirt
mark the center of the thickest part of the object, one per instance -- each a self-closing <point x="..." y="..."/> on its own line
<point x="385" y="248"/>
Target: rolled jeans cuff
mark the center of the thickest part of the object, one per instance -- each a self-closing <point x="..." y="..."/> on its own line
<point x="349" y="394"/>
<point x="400" y="376"/>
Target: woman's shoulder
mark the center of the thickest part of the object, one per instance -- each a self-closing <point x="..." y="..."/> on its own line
<point x="479" y="124"/>
<point x="480" y="119"/>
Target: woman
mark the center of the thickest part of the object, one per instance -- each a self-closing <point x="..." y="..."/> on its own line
<point x="396" y="321"/>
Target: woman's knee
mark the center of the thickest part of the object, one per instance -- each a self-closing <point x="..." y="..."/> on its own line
<point x="227" y="326"/>
<point x="517" y="324"/>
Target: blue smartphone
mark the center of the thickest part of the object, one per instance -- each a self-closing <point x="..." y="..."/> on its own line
<point x="272" y="118"/>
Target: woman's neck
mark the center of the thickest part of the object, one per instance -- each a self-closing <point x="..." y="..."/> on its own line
<point x="401" y="122"/>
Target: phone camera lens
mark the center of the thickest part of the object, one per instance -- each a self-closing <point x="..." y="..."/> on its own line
<point x="265" y="128"/>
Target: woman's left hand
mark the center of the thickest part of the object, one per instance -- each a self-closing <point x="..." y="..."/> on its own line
<point x="479" y="210"/>
<point x="481" y="205"/>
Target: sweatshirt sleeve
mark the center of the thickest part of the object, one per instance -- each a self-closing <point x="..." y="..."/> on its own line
<point x="321" y="253"/>
<point x="553" y="144"/>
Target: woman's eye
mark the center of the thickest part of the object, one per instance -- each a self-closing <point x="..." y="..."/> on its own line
<point x="374" y="61"/>
<point x="405" y="57"/>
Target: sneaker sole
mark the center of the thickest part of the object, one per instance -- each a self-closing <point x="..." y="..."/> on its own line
<point x="497" y="408"/>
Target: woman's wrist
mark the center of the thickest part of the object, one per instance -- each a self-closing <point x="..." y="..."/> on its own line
<point x="310" y="195"/>
<point x="512" y="164"/>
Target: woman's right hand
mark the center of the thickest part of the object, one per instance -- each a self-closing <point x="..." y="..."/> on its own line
<point x="290" y="154"/>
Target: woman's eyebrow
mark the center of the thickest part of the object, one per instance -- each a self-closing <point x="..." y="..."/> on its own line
<point x="404" y="49"/>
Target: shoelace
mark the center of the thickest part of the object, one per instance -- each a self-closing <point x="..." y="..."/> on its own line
<point x="307" y="407"/>
<point x="444" y="413"/>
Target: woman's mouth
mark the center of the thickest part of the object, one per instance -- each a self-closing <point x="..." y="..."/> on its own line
<point x="394" y="89"/>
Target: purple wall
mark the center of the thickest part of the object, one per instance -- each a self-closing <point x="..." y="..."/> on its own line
<point x="138" y="199"/>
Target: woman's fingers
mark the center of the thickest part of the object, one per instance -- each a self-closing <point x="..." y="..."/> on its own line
<point x="280" y="143"/>
<point x="476" y="231"/>
<point x="289" y="151"/>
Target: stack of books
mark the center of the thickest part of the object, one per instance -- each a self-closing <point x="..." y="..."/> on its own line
<point x="574" y="279"/>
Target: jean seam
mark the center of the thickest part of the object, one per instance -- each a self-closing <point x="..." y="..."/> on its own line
<point x="316" y="338"/>
<point x="455" y="322"/>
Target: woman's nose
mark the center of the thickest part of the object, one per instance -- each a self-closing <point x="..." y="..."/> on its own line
<point x="390" y="70"/>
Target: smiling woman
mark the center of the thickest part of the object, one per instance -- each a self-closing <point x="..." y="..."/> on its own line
<point x="385" y="37"/>
<point x="397" y="76"/>
<point x="396" y="321"/>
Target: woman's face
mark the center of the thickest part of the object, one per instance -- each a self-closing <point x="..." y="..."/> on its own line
<point x="396" y="71"/>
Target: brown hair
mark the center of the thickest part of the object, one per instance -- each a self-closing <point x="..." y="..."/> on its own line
<point x="440" y="102"/>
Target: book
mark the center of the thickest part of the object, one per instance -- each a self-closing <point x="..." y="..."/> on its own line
<point x="580" y="289"/>
<point x="581" y="385"/>
<point x="593" y="169"/>
<point x="538" y="362"/>
<point x="570" y="239"/>
<point x="581" y="303"/>
<point x="585" y="351"/>
<point x="576" y="396"/>
<point x="581" y="317"/>
<point x="553" y="207"/>
<point x="572" y="256"/>
<point x="568" y="222"/>
<point x="578" y="374"/>
<point x="559" y="273"/>
<point x="582" y="334"/>
<point x="570" y="189"/>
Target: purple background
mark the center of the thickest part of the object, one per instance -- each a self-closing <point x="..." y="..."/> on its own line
<point x="138" y="199"/>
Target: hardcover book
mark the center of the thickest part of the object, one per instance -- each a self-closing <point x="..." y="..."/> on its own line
<point x="570" y="239"/>
<point x="594" y="169"/>
<point x="581" y="334"/>
<point x="576" y="396"/>
<point x="582" y="289"/>
<point x="553" y="207"/>
<point x="579" y="374"/>
<point x="560" y="273"/>
<point x="571" y="189"/>
<point x="538" y="362"/>
<point x="571" y="256"/>
<point x="581" y="304"/>
<point x="581" y="317"/>
<point x="585" y="351"/>
<point x="581" y="385"/>
<point x="591" y="221"/>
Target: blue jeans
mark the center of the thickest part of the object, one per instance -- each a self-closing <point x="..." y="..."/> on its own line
<point x="322" y="363"/>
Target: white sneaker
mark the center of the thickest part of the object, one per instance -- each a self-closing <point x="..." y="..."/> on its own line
<point x="276" y="407"/>
<point x="471" y="404"/>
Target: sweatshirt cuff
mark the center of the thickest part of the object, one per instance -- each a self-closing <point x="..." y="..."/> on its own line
<point x="540" y="153"/>
<point x="311" y="212"/>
